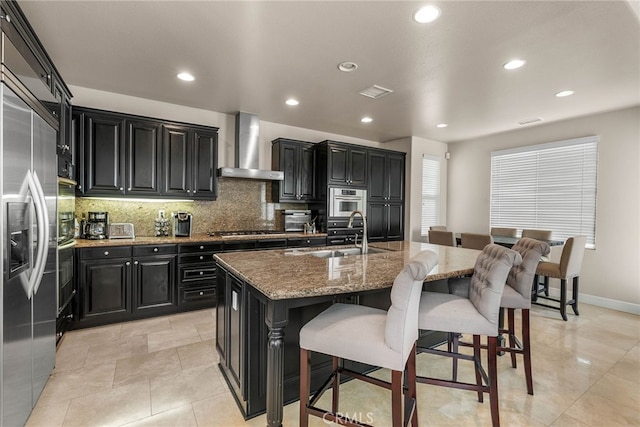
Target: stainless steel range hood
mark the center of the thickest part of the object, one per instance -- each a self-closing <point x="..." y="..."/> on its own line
<point x="247" y="152"/>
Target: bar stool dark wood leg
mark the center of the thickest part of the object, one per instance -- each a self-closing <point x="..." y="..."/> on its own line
<point x="305" y="379"/>
<point x="575" y="296"/>
<point x="412" y="396"/>
<point x="336" y="385"/>
<point x="476" y="355"/>
<point x="512" y="335"/>
<point x="526" y="349"/>
<point x="493" y="380"/>
<point x="563" y="299"/>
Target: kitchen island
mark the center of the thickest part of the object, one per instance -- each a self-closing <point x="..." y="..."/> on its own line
<point x="265" y="297"/>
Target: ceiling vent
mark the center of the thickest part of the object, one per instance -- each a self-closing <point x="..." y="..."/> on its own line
<point x="529" y="121"/>
<point x="375" y="92"/>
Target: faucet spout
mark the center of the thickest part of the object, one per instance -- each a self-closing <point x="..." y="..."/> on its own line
<point x="364" y="247"/>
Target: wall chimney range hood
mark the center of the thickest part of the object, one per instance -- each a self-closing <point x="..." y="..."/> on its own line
<point x="247" y="152"/>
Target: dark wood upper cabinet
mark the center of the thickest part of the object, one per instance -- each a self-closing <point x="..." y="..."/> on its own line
<point x="386" y="176"/>
<point x="124" y="155"/>
<point x="104" y="155"/>
<point x="143" y="156"/>
<point x="347" y="165"/>
<point x="297" y="160"/>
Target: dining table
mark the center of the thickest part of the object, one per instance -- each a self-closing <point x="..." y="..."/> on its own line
<point x="509" y="241"/>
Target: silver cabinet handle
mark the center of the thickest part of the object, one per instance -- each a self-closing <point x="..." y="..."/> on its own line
<point x="155" y="249"/>
<point x="135" y="262"/>
<point x="201" y="257"/>
<point x="128" y="263"/>
<point x="201" y="247"/>
<point x="121" y="188"/>
<point x="106" y="253"/>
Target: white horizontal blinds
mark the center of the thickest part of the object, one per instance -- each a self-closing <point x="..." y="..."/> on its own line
<point x="548" y="186"/>
<point x="430" y="192"/>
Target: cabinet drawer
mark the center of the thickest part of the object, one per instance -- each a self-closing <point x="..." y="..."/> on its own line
<point x="154" y="250"/>
<point x="271" y="243"/>
<point x="195" y="273"/>
<point x="199" y="294"/>
<point x="106" y="252"/>
<point x="304" y="241"/>
<point x="197" y="258"/>
<point x="239" y="245"/>
<point x="201" y="247"/>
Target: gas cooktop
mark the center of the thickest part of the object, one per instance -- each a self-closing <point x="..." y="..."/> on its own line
<point x="243" y="233"/>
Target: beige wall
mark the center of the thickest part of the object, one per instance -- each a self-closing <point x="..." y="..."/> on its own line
<point x="610" y="273"/>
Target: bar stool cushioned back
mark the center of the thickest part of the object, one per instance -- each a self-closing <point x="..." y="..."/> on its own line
<point x="444" y="238"/>
<point x="368" y="335"/>
<point x="503" y="231"/>
<point x="475" y="241"/>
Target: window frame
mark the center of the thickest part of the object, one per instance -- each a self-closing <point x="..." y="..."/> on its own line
<point x="562" y="175"/>
<point x="432" y="194"/>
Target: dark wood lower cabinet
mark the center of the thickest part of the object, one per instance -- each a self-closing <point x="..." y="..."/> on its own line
<point x="121" y="283"/>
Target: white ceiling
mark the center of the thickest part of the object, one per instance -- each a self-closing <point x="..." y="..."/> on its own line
<point x="252" y="55"/>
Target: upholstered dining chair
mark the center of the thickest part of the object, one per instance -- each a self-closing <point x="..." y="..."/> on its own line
<point x="438" y="227"/>
<point x="369" y="335"/>
<point x="537" y="234"/>
<point x="568" y="268"/>
<point x="516" y="295"/>
<point x="475" y="241"/>
<point x="476" y="315"/>
<point x="445" y="238"/>
<point x="504" y="231"/>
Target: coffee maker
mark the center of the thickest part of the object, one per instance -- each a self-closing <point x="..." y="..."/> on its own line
<point x="97" y="226"/>
<point x="182" y="223"/>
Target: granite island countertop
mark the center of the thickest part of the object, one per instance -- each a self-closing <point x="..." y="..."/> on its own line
<point x="294" y="273"/>
<point x="196" y="238"/>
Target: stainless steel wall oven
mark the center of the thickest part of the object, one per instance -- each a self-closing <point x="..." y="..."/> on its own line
<point x="66" y="243"/>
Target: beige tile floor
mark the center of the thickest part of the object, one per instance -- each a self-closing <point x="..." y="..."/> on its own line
<point x="163" y="372"/>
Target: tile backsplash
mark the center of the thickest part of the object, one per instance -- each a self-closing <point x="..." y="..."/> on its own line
<point x="242" y="204"/>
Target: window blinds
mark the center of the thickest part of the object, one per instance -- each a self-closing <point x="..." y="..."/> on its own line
<point x="430" y="192"/>
<point x="548" y="186"/>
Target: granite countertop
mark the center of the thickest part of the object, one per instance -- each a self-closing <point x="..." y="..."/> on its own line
<point x="294" y="273"/>
<point x="196" y="238"/>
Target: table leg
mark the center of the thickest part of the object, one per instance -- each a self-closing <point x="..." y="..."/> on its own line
<point x="276" y="320"/>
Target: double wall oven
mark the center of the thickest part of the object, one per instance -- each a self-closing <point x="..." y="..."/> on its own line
<point x="66" y="243"/>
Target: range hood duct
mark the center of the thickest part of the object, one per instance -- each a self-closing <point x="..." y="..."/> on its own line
<point x="247" y="152"/>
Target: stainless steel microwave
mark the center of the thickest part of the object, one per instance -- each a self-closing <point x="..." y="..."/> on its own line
<point x="343" y="201"/>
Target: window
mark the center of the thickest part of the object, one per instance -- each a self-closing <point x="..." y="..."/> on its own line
<point x="548" y="186"/>
<point x="430" y="192"/>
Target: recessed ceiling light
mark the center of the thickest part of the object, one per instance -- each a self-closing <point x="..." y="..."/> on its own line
<point x="514" y="63"/>
<point x="564" y="93"/>
<point x="442" y="125"/>
<point x="187" y="77"/>
<point x="292" y="102"/>
<point x="347" y="66"/>
<point x="366" y="120"/>
<point x="426" y="14"/>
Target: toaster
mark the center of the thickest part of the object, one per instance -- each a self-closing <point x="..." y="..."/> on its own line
<point x="121" y="230"/>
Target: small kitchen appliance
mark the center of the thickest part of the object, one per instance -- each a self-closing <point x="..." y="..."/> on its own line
<point x="295" y="220"/>
<point x="182" y="224"/>
<point x="121" y="230"/>
<point x="343" y="201"/>
<point x="97" y="226"/>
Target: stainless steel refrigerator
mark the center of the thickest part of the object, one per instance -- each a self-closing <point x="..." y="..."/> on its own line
<point x="28" y="239"/>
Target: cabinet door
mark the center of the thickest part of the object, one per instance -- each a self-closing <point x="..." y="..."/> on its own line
<point x="104" y="155"/>
<point x="105" y="288"/>
<point x="204" y="164"/>
<point x="236" y="334"/>
<point x="395" y="221"/>
<point x="377" y="177"/>
<point x="377" y="222"/>
<point x="306" y="173"/>
<point x="395" y="177"/>
<point x="357" y="167"/>
<point x="143" y="154"/>
<point x="176" y="161"/>
<point x="337" y="163"/>
<point x="221" y="314"/>
<point x="289" y="165"/>
<point x="155" y="282"/>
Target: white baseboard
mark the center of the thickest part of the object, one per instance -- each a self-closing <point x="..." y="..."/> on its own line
<point x="626" y="307"/>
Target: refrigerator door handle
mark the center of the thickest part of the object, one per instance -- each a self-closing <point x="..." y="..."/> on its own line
<point x="43" y="232"/>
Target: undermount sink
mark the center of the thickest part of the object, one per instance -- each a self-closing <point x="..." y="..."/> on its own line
<point x="329" y="253"/>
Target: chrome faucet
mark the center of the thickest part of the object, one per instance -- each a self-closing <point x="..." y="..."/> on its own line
<point x="364" y="247"/>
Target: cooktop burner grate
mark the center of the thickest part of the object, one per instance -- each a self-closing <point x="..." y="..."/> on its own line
<point x="243" y="233"/>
